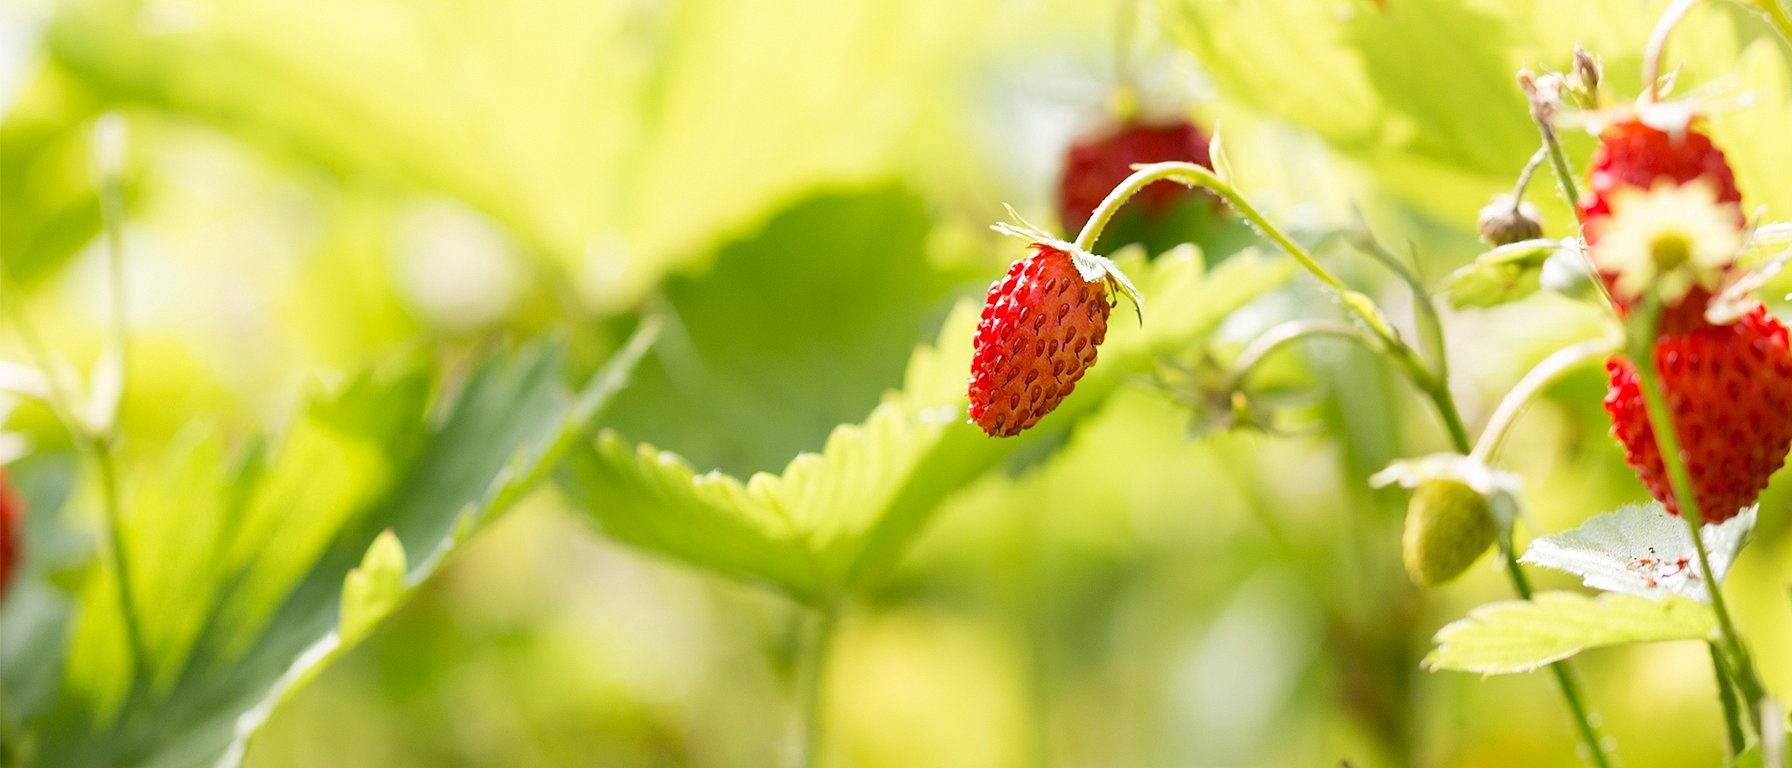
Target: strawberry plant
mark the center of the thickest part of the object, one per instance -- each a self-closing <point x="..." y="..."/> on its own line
<point x="547" y="383"/>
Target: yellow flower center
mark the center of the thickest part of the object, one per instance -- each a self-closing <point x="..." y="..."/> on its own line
<point x="1669" y="250"/>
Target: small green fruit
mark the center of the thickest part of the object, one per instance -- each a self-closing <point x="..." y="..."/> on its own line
<point x="1448" y="526"/>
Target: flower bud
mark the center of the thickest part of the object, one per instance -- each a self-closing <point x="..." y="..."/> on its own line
<point x="1505" y="221"/>
<point x="1587" y="74"/>
<point x="1448" y="526"/>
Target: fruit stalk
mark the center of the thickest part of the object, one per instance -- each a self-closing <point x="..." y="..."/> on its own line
<point x="102" y="414"/>
<point x="1776" y="14"/>
<point x="1642" y="355"/>
<point x="1436" y="390"/>
<point x="1547" y="372"/>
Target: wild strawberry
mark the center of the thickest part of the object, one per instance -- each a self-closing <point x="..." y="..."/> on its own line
<point x="1041" y="326"/>
<point x="1677" y="236"/>
<point x="1729" y="388"/>
<point x="1098" y="163"/>
<point x="12" y="514"/>
<point x="1448" y="526"/>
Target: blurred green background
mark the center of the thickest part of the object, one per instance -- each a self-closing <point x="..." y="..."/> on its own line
<point x="800" y="191"/>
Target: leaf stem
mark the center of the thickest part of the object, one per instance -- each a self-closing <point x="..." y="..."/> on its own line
<point x="102" y="417"/>
<point x="1726" y="696"/>
<point x="1667" y="440"/>
<point x="814" y="684"/>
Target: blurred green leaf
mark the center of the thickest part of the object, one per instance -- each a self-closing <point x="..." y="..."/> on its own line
<point x="614" y="140"/>
<point x="834" y="518"/>
<point x="1522" y="635"/>
<point x="1754" y="136"/>
<point x="257" y="550"/>
<point x="371" y="591"/>
<point x="1403" y="87"/>
<point x="794" y="329"/>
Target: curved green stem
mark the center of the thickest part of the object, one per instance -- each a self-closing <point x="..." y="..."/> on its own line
<point x="1667" y="440"/>
<point x="1364" y="308"/>
<point x="1284" y="334"/>
<point x="1434" y="387"/>
<point x="1190" y="174"/>
<point x="1545" y="373"/>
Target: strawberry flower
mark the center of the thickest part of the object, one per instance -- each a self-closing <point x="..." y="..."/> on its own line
<point x="1669" y="238"/>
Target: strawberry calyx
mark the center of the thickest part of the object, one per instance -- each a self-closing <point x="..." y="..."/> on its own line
<point x="1093" y="268"/>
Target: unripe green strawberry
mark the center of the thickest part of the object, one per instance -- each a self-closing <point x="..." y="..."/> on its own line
<point x="1729" y="388"/>
<point x="1039" y="331"/>
<point x="1448" y="526"/>
<point x="12" y="518"/>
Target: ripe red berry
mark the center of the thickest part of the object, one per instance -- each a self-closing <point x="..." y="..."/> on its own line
<point x="1098" y="163"/>
<point x="1729" y="388"/>
<point x="1634" y="156"/>
<point x="12" y="516"/>
<point x="1040" y="328"/>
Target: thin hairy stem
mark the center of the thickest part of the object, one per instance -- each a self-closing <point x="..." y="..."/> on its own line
<point x="1667" y="440"/>
<point x="1726" y="697"/>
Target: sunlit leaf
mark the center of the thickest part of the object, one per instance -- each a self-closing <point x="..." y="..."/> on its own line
<point x="833" y="518"/>
<point x="614" y="140"/>
<point x="1642" y="550"/>
<point x="795" y="328"/>
<point x="258" y="550"/>
<point x="371" y="591"/>
<point x="1522" y="635"/>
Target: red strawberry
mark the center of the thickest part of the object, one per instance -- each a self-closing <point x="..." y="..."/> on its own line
<point x="1096" y="164"/>
<point x="12" y="514"/>
<point x="1040" y="328"/>
<point x="1729" y="388"/>
<point x="1632" y="155"/>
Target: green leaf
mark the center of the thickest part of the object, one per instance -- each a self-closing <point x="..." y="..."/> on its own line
<point x="741" y="388"/>
<point x="835" y="518"/>
<point x="1522" y="635"/>
<point x="1642" y="550"/>
<point x="1404" y="88"/>
<point x="1505" y="274"/>
<point x="672" y="128"/>
<point x="371" y="592"/>
<point x="258" y="550"/>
